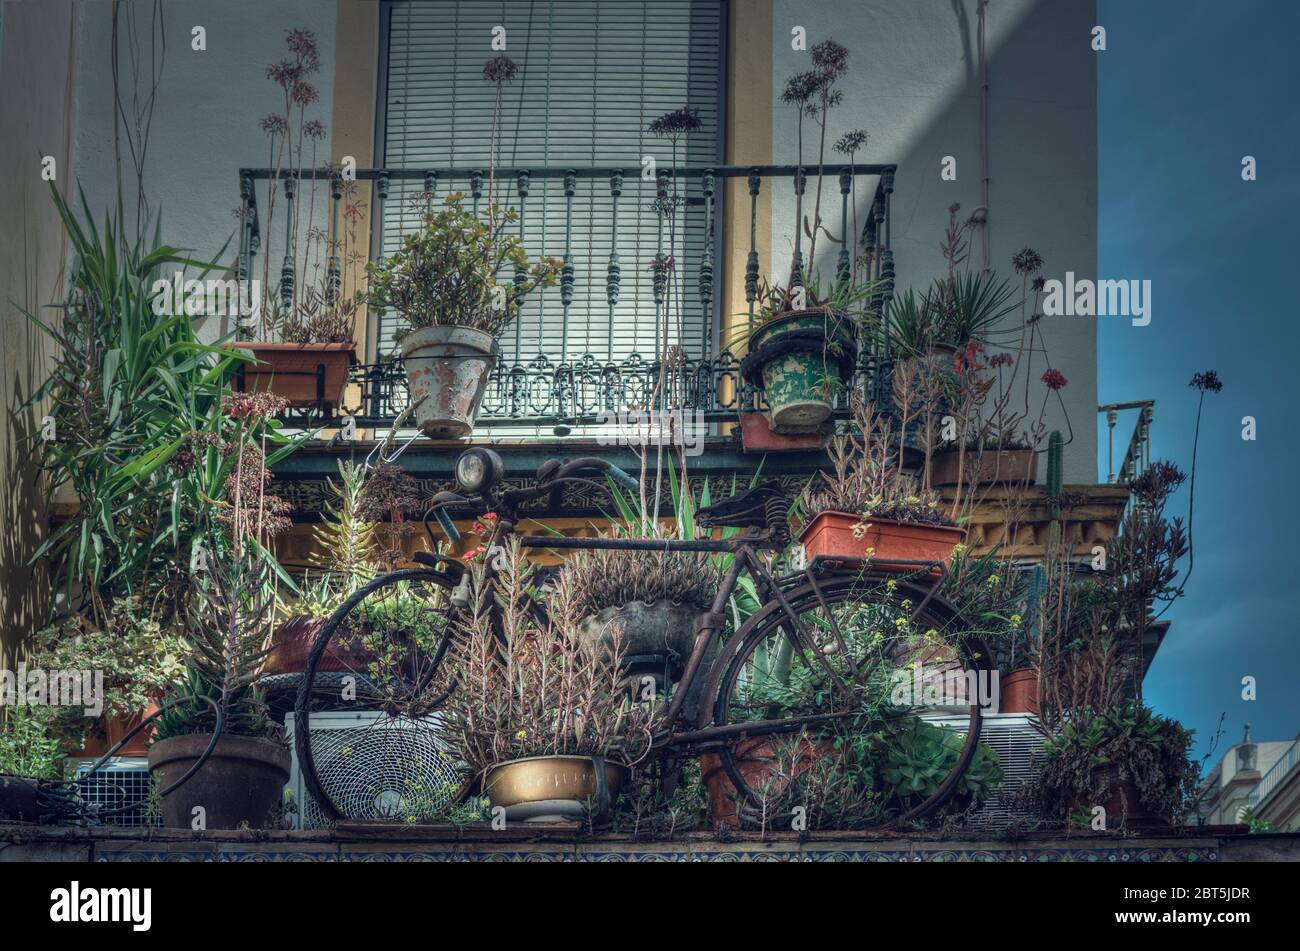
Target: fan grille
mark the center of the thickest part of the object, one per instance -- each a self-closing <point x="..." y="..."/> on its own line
<point x="379" y="769"/>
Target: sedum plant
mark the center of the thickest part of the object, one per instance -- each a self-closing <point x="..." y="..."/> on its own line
<point x="448" y="273"/>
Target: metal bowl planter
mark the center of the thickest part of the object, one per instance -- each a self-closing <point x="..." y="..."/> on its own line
<point x="241" y="782"/>
<point x="554" y="788"/>
<point x="447" y="370"/>
<point x="799" y="359"/>
<point x="19" y="799"/>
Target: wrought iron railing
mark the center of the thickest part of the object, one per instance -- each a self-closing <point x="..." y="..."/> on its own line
<point x="556" y="386"/>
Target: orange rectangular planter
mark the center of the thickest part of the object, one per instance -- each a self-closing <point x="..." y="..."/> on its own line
<point x="305" y="374"/>
<point x="830" y="534"/>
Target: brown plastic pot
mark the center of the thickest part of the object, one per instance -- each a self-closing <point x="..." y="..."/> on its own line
<point x="831" y="534"/>
<point x="241" y="782"/>
<point x="1003" y="467"/>
<point x="1018" y="691"/>
<point x="305" y="374"/>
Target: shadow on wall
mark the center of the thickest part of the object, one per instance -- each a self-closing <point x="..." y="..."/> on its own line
<point x="915" y="85"/>
<point x="24" y="497"/>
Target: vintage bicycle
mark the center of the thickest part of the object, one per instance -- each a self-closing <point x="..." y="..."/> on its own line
<point x="824" y="634"/>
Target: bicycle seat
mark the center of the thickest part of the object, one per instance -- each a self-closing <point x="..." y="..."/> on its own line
<point x="749" y="509"/>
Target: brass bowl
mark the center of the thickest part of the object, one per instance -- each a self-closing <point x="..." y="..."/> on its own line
<point x="549" y="788"/>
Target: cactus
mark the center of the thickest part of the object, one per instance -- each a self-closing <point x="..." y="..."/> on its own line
<point x="1055" y="447"/>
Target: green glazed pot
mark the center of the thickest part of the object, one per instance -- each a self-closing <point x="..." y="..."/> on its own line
<point x="792" y="359"/>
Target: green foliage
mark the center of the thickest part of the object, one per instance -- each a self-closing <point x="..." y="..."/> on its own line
<point x="918" y="757"/>
<point x="228" y="627"/>
<point x="1134" y="744"/>
<point x="448" y="272"/>
<point x="127" y="388"/>
<point x="957" y="309"/>
<point x="26" y="746"/>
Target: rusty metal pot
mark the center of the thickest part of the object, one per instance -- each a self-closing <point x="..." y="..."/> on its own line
<point x="447" y="370"/>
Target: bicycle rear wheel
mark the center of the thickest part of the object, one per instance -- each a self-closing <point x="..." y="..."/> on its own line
<point x="856" y="668"/>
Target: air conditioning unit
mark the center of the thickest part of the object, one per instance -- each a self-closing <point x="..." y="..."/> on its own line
<point x="1014" y="737"/>
<point x="122" y="781"/>
<point x="375" y="768"/>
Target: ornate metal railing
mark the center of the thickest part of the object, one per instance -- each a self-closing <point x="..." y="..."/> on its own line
<point x="1275" y="775"/>
<point x="556" y="386"/>
<point x="1137" y="453"/>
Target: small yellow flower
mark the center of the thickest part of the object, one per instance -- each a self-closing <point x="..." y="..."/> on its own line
<point x="1015" y="620"/>
<point x="521" y="735"/>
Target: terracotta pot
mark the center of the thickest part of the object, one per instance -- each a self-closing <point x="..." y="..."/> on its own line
<point x="549" y="788"/>
<point x="756" y="436"/>
<point x="118" y="727"/>
<point x="1124" y="809"/>
<point x="113" y="729"/>
<point x="755" y="758"/>
<point x="1004" y="467"/>
<point x="831" y="534"/>
<point x="790" y="357"/>
<point x="241" y="782"/>
<point x="447" y="370"/>
<point x="1018" y="691"/>
<point x="305" y="374"/>
<point x="292" y="642"/>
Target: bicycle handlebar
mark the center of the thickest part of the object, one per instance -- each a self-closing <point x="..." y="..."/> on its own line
<point x="549" y="476"/>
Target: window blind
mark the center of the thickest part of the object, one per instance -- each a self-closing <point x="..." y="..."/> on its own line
<point x="591" y="78"/>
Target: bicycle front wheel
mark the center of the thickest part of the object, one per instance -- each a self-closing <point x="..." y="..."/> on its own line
<point x="833" y="704"/>
<point x="366" y="732"/>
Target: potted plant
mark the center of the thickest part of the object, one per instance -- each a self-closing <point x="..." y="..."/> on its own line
<point x="869" y="507"/>
<point x="544" y="726"/>
<point x="802" y="350"/>
<point x="443" y="280"/>
<point x="245" y="766"/>
<point x="1131" y="761"/>
<point x="300" y="340"/>
<point x="29" y="756"/>
<point x="140" y="659"/>
<point x="348" y="540"/>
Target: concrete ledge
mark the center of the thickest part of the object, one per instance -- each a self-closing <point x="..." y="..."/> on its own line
<point x="567" y="843"/>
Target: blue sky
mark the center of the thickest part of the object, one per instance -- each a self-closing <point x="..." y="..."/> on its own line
<point x="1186" y="89"/>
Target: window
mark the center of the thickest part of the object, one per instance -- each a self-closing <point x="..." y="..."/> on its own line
<point x="592" y="76"/>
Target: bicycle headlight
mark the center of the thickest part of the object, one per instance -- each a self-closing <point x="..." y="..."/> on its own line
<point x="478" y="470"/>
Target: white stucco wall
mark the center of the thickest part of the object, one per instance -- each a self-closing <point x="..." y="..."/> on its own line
<point x="205" y="123"/>
<point x="914" y="86"/>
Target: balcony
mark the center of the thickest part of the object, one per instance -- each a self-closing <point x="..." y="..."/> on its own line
<point x="541" y="382"/>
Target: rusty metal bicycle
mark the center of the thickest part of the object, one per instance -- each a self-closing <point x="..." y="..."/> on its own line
<point x="818" y="652"/>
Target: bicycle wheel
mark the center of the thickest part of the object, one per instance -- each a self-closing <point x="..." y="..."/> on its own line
<point x="366" y="730"/>
<point x="864" y="641"/>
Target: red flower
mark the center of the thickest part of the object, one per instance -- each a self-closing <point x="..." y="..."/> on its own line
<point x="1001" y="360"/>
<point x="1054" y="380"/>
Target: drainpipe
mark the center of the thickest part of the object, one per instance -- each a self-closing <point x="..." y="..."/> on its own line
<point x="981" y="214"/>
